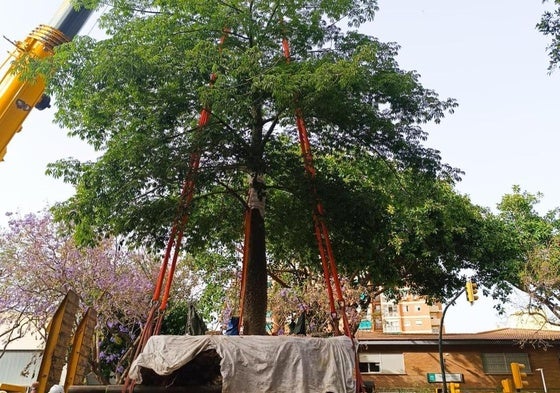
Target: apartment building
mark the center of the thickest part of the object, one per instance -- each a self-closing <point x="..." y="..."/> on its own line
<point x="410" y="315"/>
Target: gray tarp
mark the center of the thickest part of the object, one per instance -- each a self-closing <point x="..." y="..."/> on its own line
<point x="280" y="364"/>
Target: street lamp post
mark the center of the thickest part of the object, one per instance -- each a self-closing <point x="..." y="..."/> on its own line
<point x="542" y="377"/>
<point x="440" y="341"/>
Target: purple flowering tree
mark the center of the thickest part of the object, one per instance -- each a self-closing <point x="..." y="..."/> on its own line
<point x="39" y="263"/>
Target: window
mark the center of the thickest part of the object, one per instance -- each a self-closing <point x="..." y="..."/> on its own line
<point x="418" y="322"/>
<point x="391" y="327"/>
<point x="382" y="363"/>
<point x="499" y="363"/>
<point x="405" y="308"/>
<point x="370" y="367"/>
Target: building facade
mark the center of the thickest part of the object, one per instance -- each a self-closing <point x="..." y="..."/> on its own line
<point x="410" y="315"/>
<point x="20" y="359"/>
<point x="477" y="361"/>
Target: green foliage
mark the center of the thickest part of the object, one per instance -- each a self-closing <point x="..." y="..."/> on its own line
<point x="540" y="279"/>
<point x="180" y="315"/>
<point x="535" y="238"/>
<point x="136" y="96"/>
<point x="518" y="211"/>
<point x="549" y="25"/>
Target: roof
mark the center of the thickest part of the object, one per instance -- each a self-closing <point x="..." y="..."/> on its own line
<point x="498" y="336"/>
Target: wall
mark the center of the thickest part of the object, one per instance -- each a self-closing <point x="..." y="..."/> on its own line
<point x="467" y="361"/>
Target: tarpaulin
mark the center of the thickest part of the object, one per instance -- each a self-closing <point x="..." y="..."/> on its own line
<point x="280" y="364"/>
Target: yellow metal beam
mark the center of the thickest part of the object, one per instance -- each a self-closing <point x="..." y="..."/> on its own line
<point x="58" y="340"/>
<point x="7" y="387"/>
<point x="81" y="349"/>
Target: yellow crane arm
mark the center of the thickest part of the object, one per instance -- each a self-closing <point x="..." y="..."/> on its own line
<point x="17" y="95"/>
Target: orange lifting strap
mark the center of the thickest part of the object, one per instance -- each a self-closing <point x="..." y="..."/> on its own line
<point x="328" y="262"/>
<point x="330" y="270"/>
<point x="159" y="300"/>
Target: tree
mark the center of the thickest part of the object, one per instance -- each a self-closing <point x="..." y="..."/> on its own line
<point x="549" y="25"/>
<point x="540" y="279"/>
<point x="39" y="264"/>
<point x="536" y="238"/>
<point x="137" y="95"/>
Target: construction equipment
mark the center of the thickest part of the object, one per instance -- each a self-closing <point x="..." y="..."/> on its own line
<point x="9" y="388"/>
<point x="62" y="334"/>
<point x="58" y="339"/>
<point x="76" y="365"/>
<point x="18" y="95"/>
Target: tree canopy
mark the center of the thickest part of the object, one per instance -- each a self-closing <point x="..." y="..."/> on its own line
<point x="39" y="265"/>
<point x="536" y="237"/>
<point x="37" y="258"/>
<point x="394" y="216"/>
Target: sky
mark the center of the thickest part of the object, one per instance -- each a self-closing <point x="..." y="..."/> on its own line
<point x="487" y="55"/>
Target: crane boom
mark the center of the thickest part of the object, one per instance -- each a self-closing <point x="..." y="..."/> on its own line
<point x="17" y="95"/>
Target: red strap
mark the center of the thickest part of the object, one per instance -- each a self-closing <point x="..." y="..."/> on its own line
<point x="187" y="194"/>
<point x="328" y="263"/>
<point x="330" y="270"/>
<point x="155" y="315"/>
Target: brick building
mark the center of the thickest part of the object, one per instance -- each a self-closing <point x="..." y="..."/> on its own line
<point x="479" y="361"/>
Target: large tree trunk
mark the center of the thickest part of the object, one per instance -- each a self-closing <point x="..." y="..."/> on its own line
<point x="255" y="300"/>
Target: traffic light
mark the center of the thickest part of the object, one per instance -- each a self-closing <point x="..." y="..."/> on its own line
<point x="507" y="386"/>
<point x="472" y="289"/>
<point x="454" y="387"/>
<point x="518" y="375"/>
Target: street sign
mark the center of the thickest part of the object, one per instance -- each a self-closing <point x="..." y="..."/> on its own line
<point x="437" y="377"/>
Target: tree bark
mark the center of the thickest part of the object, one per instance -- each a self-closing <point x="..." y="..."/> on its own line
<point x="255" y="300"/>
